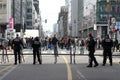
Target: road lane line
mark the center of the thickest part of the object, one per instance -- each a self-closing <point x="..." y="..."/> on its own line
<point x="6" y="68"/>
<point x="68" y="68"/>
<point x="8" y="72"/>
<point x="81" y="75"/>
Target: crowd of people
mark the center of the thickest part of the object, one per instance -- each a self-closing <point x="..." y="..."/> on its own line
<point x="91" y="44"/>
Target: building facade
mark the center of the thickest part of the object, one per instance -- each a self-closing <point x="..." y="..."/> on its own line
<point x="89" y="20"/>
<point x="4" y="16"/>
<point x="68" y="5"/>
<point x="23" y="13"/>
<point x="76" y="17"/>
<point x="107" y="14"/>
<point x="29" y="14"/>
<point x="63" y="22"/>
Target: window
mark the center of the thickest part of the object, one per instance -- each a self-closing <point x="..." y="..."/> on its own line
<point x="29" y="23"/>
<point x="4" y="6"/>
<point x="29" y="10"/>
<point x="103" y="17"/>
<point x="29" y="16"/>
<point x="29" y="4"/>
<point x="0" y="6"/>
<point x="102" y="8"/>
<point x="113" y="8"/>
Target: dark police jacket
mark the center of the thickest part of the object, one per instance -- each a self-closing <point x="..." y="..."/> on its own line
<point x="91" y="44"/>
<point x="17" y="44"/>
<point x="107" y="44"/>
<point x="36" y="45"/>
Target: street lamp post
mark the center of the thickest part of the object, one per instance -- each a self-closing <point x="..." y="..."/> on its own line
<point x="21" y="18"/>
<point x="13" y="13"/>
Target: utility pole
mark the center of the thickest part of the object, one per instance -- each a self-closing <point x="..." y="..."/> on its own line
<point x="13" y="13"/>
<point x="21" y="18"/>
<point x="108" y="16"/>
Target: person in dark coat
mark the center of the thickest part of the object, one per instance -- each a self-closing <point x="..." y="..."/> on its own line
<point x="55" y="44"/>
<point x="16" y="45"/>
<point x="91" y="49"/>
<point x="36" y="45"/>
<point x="107" y="45"/>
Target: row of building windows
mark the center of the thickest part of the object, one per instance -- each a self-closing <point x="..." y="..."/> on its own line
<point x="104" y="18"/>
<point x="107" y="9"/>
<point x="29" y="4"/>
<point x="112" y="8"/>
<point x="106" y="0"/>
<point x="29" y="16"/>
<point x="29" y="23"/>
<point x="2" y="6"/>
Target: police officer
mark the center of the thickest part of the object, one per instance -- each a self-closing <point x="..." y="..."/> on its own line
<point x="16" y="44"/>
<point x="107" y="45"/>
<point x="36" y="45"/>
<point x="91" y="49"/>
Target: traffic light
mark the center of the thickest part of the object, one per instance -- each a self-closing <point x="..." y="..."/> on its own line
<point x="45" y="20"/>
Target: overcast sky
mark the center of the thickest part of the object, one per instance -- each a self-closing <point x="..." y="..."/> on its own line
<point x="49" y="10"/>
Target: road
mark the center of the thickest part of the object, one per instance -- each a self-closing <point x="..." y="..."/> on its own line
<point x="60" y="71"/>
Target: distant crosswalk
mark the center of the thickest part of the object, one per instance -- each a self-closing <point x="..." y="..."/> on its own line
<point x="60" y="51"/>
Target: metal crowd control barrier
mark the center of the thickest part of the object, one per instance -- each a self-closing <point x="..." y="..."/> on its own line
<point x="71" y="54"/>
<point x="4" y="56"/>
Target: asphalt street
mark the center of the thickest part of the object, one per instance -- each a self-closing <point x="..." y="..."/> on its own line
<point x="63" y="70"/>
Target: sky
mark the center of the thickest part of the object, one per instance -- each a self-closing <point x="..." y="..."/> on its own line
<point x="49" y="10"/>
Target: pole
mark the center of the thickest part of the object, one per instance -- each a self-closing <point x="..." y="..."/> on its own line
<point x="13" y="13"/>
<point x="21" y="22"/>
<point x="108" y="12"/>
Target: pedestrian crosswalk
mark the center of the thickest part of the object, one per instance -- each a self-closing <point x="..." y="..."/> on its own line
<point x="60" y="51"/>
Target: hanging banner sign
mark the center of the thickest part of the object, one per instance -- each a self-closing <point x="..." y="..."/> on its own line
<point x="11" y="24"/>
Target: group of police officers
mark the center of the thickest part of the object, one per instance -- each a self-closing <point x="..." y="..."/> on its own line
<point x="107" y="45"/>
<point x="17" y="46"/>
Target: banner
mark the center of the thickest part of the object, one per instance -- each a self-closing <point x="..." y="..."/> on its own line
<point x="11" y="23"/>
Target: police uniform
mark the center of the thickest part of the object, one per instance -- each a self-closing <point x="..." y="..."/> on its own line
<point x="16" y="44"/>
<point x="91" y="49"/>
<point x="36" y="45"/>
<point x="107" y="44"/>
